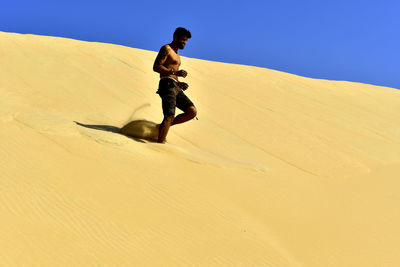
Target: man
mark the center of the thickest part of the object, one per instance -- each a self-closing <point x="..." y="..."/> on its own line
<point x="170" y="88"/>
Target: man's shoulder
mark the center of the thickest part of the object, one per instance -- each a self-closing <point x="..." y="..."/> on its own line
<point x="165" y="47"/>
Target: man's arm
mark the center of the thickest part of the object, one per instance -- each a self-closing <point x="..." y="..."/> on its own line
<point x="160" y="60"/>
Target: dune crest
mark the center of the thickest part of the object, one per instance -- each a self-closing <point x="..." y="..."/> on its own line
<point x="279" y="170"/>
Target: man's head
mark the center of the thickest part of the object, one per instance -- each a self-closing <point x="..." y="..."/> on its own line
<point x="181" y="35"/>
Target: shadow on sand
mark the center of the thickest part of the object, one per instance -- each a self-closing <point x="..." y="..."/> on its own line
<point x="136" y="130"/>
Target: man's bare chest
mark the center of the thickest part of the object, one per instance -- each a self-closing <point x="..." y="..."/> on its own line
<point x="173" y="59"/>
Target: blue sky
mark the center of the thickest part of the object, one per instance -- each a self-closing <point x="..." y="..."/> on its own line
<point x="349" y="40"/>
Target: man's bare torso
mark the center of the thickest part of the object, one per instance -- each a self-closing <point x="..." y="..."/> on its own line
<point x="173" y="61"/>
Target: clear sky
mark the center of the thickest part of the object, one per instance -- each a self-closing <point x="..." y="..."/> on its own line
<point x="352" y="40"/>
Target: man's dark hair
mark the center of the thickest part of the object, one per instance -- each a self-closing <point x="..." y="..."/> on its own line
<point x="179" y="32"/>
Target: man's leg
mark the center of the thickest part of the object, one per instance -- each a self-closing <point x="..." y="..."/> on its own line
<point x="164" y="127"/>
<point x="189" y="114"/>
<point x="169" y="103"/>
<point x="187" y="106"/>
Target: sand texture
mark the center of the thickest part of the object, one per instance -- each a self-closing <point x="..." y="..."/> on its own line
<point x="279" y="170"/>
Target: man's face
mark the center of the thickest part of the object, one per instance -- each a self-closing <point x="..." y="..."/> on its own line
<point x="182" y="42"/>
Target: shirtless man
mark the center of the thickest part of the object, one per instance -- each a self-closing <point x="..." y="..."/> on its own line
<point x="170" y="88"/>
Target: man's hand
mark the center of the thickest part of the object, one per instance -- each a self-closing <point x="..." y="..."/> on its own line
<point x="183" y="85"/>
<point x="181" y="73"/>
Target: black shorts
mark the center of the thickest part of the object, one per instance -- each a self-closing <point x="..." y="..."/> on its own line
<point x="172" y="96"/>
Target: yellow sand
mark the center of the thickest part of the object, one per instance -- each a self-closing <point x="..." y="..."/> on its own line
<point x="279" y="170"/>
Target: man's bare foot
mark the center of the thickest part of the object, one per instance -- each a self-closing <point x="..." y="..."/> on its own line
<point x="158" y="134"/>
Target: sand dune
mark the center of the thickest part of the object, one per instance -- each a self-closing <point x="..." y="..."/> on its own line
<point x="279" y="170"/>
